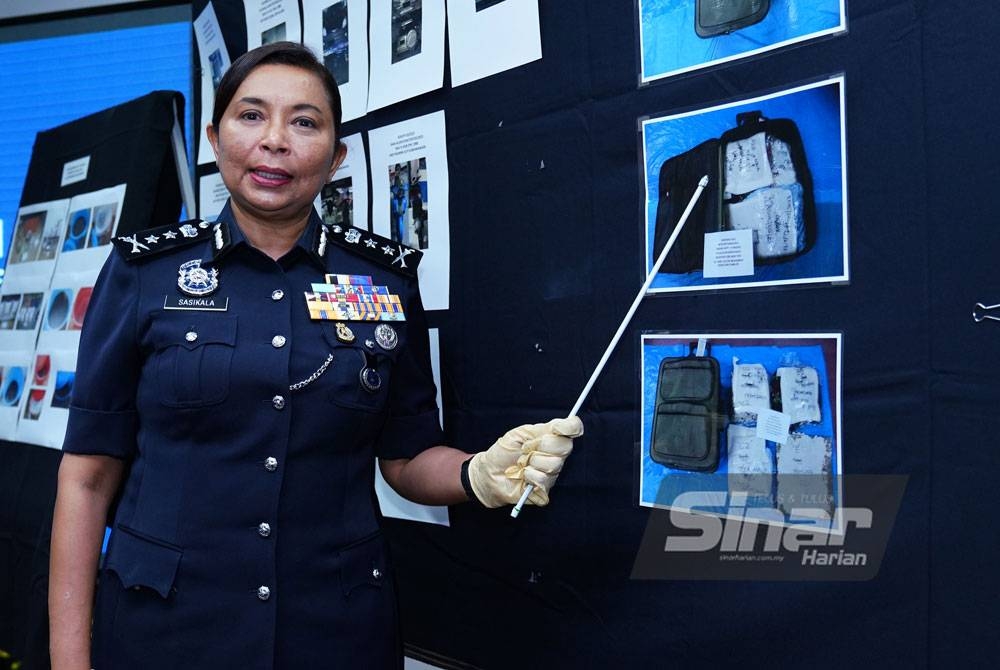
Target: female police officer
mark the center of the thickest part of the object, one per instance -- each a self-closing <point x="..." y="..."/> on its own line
<point x="244" y="421"/>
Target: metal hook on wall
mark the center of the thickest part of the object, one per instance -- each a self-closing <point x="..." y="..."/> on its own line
<point x="981" y="312"/>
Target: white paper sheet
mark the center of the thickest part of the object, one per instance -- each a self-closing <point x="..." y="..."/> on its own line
<point x="91" y="225"/>
<point x="773" y="425"/>
<point x="22" y="306"/>
<point x="212" y="196"/>
<point x="728" y="254"/>
<point x="344" y="200"/>
<point x="407" y="50"/>
<point x="214" y="62"/>
<point x="337" y="31"/>
<point x="409" y="164"/>
<point x="394" y="505"/>
<point x="486" y="37"/>
<point x="35" y="244"/>
<point x="44" y="409"/>
<point x="15" y="370"/>
<point x="271" y="21"/>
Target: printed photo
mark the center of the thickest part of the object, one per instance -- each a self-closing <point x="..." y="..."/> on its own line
<point x="64" y="388"/>
<point x="12" y="385"/>
<point x="80" y="305"/>
<point x="51" y="236"/>
<point x="8" y="310"/>
<point x="338" y="202"/>
<point x="275" y="34"/>
<point x="774" y="211"/>
<point x="57" y="314"/>
<point x="408" y="203"/>
<point x="757" y="416"/>
<point x="36" y="401"/>
<point x="77" y="229"/>
<point x="43" y="365"/>
<point x="27" y="238"/>
<point x="483" y="4"/>
<point x="103" y="226"/>
<point x="679" y="36"/>
<point x="335" y="41"/>
<point x="406" y="28"/>
<point x="218" y="67"/>
<point x="29" y="312"/>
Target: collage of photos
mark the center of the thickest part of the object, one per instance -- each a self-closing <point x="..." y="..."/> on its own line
<point x="91" y="227"/>
<point x="755" y="416"/>
<point x="270" y="21"/>
<point x="44" y="408"/>
<point x="20" y="311"/>
<point x="67" y="308"/>
<point x="677" y="36"/>
<point x="36" y="238"/>
<point x="775" y="208"/>
<point x="337" y="30"/>
<point x="408" y="204"/>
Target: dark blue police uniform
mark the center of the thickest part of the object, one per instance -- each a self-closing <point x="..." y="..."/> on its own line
<point x="247" y="535"/>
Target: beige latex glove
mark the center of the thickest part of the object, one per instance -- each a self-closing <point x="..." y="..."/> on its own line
<point x="528" y="454"/>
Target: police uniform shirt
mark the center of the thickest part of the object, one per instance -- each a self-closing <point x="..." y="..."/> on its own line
<point x="246" y="535"/>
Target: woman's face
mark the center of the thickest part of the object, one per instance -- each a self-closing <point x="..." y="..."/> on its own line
<point x="275" y="143"/>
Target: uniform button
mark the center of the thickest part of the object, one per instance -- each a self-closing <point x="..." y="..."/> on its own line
<point x="264" y="529"/>
<point x="277" y="294"/>
<point x="270" y="463"/>
<point x="191" y="336"/>
<point x="376" y="573"/>
<point x="278" y="341"/>
<point x="263" y="592"/>
<point x="278" y="402"/>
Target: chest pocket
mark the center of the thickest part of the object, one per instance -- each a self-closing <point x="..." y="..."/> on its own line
<point x="192" y="357"/>
<point x="361" y="365"/>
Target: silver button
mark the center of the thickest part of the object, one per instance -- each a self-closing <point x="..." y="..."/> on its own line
<point x="376" y="573"/>
<point x="270" y="463"/>
<point x="264" y="529"/>
<point x="277" y="294"/>
<point x="263" y="592"/>
<point x="278" y="402"/>
<point x="278" y="341"/>
<point x="191" y="336"/>
<point x="370" y="344"/>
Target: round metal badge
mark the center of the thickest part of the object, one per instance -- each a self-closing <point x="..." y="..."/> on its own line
<point x="192" y="279"/>
<point x="371" y="380"/>
<point x="386" y="336"/>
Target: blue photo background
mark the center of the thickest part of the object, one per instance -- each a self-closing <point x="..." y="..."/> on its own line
<point x="816" y="111"/>
<point x="670" y="42"/>
<point x="820" y="354"/>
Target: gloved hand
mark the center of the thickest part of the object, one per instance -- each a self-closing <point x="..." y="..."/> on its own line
<point x="528" y="454"/>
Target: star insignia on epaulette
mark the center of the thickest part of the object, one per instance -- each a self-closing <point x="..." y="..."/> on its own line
<point x="162" y="238"/>
<point x="378" y="249"/>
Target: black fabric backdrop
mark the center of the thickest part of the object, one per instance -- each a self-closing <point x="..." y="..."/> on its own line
<point x="545" y="260"/>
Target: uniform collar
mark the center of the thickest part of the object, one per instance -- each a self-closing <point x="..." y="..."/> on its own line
<point x="227" y="235"/>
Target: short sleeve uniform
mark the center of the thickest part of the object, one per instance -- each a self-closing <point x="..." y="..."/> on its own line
<point x="247" y="535"/>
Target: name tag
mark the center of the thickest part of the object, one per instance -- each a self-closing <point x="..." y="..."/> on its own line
<point x="209" y="304"/>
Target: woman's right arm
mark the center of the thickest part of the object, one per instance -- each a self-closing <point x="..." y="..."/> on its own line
<point x="87" y="485"/>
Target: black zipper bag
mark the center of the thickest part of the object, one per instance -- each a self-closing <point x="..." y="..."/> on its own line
<point x="687" y="422"/>
<point x="720" y="17"/>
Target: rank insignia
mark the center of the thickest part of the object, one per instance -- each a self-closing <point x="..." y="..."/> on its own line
<point x="192" y="279"/>
<point x="344" y="334"/>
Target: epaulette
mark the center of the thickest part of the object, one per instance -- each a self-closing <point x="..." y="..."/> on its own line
<point x="378" y="249"/>
<point x="162" y="238"/>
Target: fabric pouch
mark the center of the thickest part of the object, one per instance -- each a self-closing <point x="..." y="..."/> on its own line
<point x="687" y="422"/>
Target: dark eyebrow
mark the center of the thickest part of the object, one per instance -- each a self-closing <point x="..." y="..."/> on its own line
<point x="299" y="107"/>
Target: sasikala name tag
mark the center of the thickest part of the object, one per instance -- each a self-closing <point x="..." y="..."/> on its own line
<point x="209" y="303"/>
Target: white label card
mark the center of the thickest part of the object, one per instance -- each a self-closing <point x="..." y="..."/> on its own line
<point x="773" y="426"/>
<point x="729" y="254"/>
<point x="75" y="171"/>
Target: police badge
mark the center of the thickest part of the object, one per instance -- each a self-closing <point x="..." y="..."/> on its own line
<point x="195" y="280"/>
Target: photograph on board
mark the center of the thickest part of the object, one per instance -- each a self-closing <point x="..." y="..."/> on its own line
<point x="678" y="36"/>
<point x="774" y="211"/>
<point x="753" y="414"/>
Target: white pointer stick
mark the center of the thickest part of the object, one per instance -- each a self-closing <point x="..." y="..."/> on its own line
<point x="628" y="317"/>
